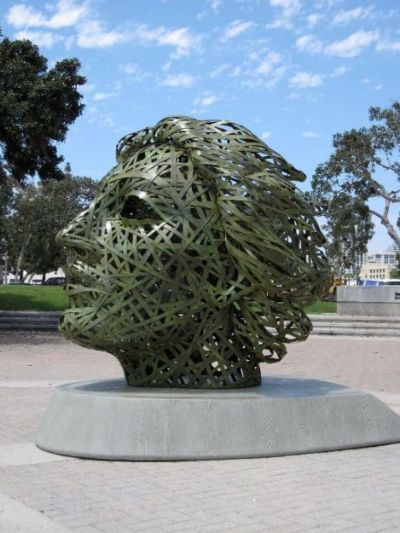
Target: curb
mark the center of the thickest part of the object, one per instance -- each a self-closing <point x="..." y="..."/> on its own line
<point x="323" y="324"/>
<point x="29" y="320"/>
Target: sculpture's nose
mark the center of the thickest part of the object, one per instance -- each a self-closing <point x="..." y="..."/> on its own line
<point x="78" y="235"/>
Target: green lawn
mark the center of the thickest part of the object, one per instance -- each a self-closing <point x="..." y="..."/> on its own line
<point x="321" y="307"/>
<point x="32" y="298"/>
<point x="44" y="298"/>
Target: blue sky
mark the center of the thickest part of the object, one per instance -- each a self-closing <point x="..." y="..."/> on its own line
<point x="293" y="71"/>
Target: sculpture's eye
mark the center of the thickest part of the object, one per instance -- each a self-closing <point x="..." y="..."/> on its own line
<point x="135" y="208"/>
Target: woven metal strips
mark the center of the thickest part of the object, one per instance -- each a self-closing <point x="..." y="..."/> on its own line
<point x="196" y="259"/>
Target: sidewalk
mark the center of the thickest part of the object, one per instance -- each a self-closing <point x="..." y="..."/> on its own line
<point x="347" y="491"/>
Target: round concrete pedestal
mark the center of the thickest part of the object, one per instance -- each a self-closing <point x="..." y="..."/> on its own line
<point x="108" y="420"/>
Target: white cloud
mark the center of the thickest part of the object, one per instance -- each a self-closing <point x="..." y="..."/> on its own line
<point x="181" y="39"/>
<point x="21" y="16"/>
<point x="390" y="46"/>
<point x="266" y="135"/>
<point x="275" y="76"/>
<point x="311" y="134"/>
<point x="309" y="43"/>
<point x="289" y="8"/>
<point x="305" y="80"/>
<point x="65" y="13"/>
<point x="41" y="38"/>
<point x="313" y="19"/>
<point x="92" y="34"/>
<point x="268" y="70"/>
<point x="99" y="97"/>
<point x="236" y="71"/>
<point x="215" y="4"/>
<point x="130" y="69"/>
<point x="367" y="81"/>
<point x="134" y="72"/>
<point x="235" y="28"/>
<point x="339" y="71"/>
<point x="352" y="45"/>
<point x="286" y="5"/>
<point x="344" y="17"/>
<point x="95" y="116"/>
<point x="264" y="69"/>
<point x="267" y="65"/>
<point x="254" y="80"/>
<point x="206" y="100"/>
<point x="179" y="80"/>
<point x="219" y="70"/>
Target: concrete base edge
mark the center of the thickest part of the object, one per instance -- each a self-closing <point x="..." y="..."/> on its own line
<point x="108" y="420"/>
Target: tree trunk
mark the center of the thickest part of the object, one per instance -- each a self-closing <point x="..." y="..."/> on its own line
<point x="43" y="277"/>
<point x="19" y="271"/>
<point x="28" y="275"/>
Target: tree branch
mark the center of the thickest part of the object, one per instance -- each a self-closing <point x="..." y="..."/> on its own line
<point x="388" y="196"/>
<point x="384" y="219"/>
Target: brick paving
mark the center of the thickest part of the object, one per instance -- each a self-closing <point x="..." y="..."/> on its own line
<point x="347" y="491"/>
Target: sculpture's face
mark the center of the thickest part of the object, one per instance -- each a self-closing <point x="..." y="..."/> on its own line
<point x="147" y="257"/>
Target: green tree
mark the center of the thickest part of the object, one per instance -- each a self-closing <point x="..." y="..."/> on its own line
<point x="395" y="272"/>
<point x="6" y="193"/>
<point x="37" y="105"/>
<point x="354" y="174"/>
<point x="39" y="212"/>
<point x="348" y="230"/>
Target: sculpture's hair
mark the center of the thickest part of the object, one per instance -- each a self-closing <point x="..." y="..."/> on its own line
<point x="196" y="259"/>
<point x="271" y="235"/>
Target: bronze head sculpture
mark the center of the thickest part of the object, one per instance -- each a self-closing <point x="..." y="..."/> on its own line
<point x="195" y="260"/>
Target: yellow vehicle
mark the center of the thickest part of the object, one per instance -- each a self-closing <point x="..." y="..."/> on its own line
<point x="331" y="294"/>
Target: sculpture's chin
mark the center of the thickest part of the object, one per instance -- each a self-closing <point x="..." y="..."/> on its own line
<point x="79" y="325"/>
<point x="111" y="332"/>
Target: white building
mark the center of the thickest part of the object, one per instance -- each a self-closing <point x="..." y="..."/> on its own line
<point x="380" y="258"/>
<point x="376" y="271"/>
<point x="378" y="265"/>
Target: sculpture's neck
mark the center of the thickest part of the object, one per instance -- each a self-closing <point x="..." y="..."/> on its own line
<point x="204" y="370"/>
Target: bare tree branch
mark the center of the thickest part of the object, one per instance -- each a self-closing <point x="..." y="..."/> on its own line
<point x="384" y="219"/>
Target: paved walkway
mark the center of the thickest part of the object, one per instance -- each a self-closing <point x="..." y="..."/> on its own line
<point x="348" y="491"/>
